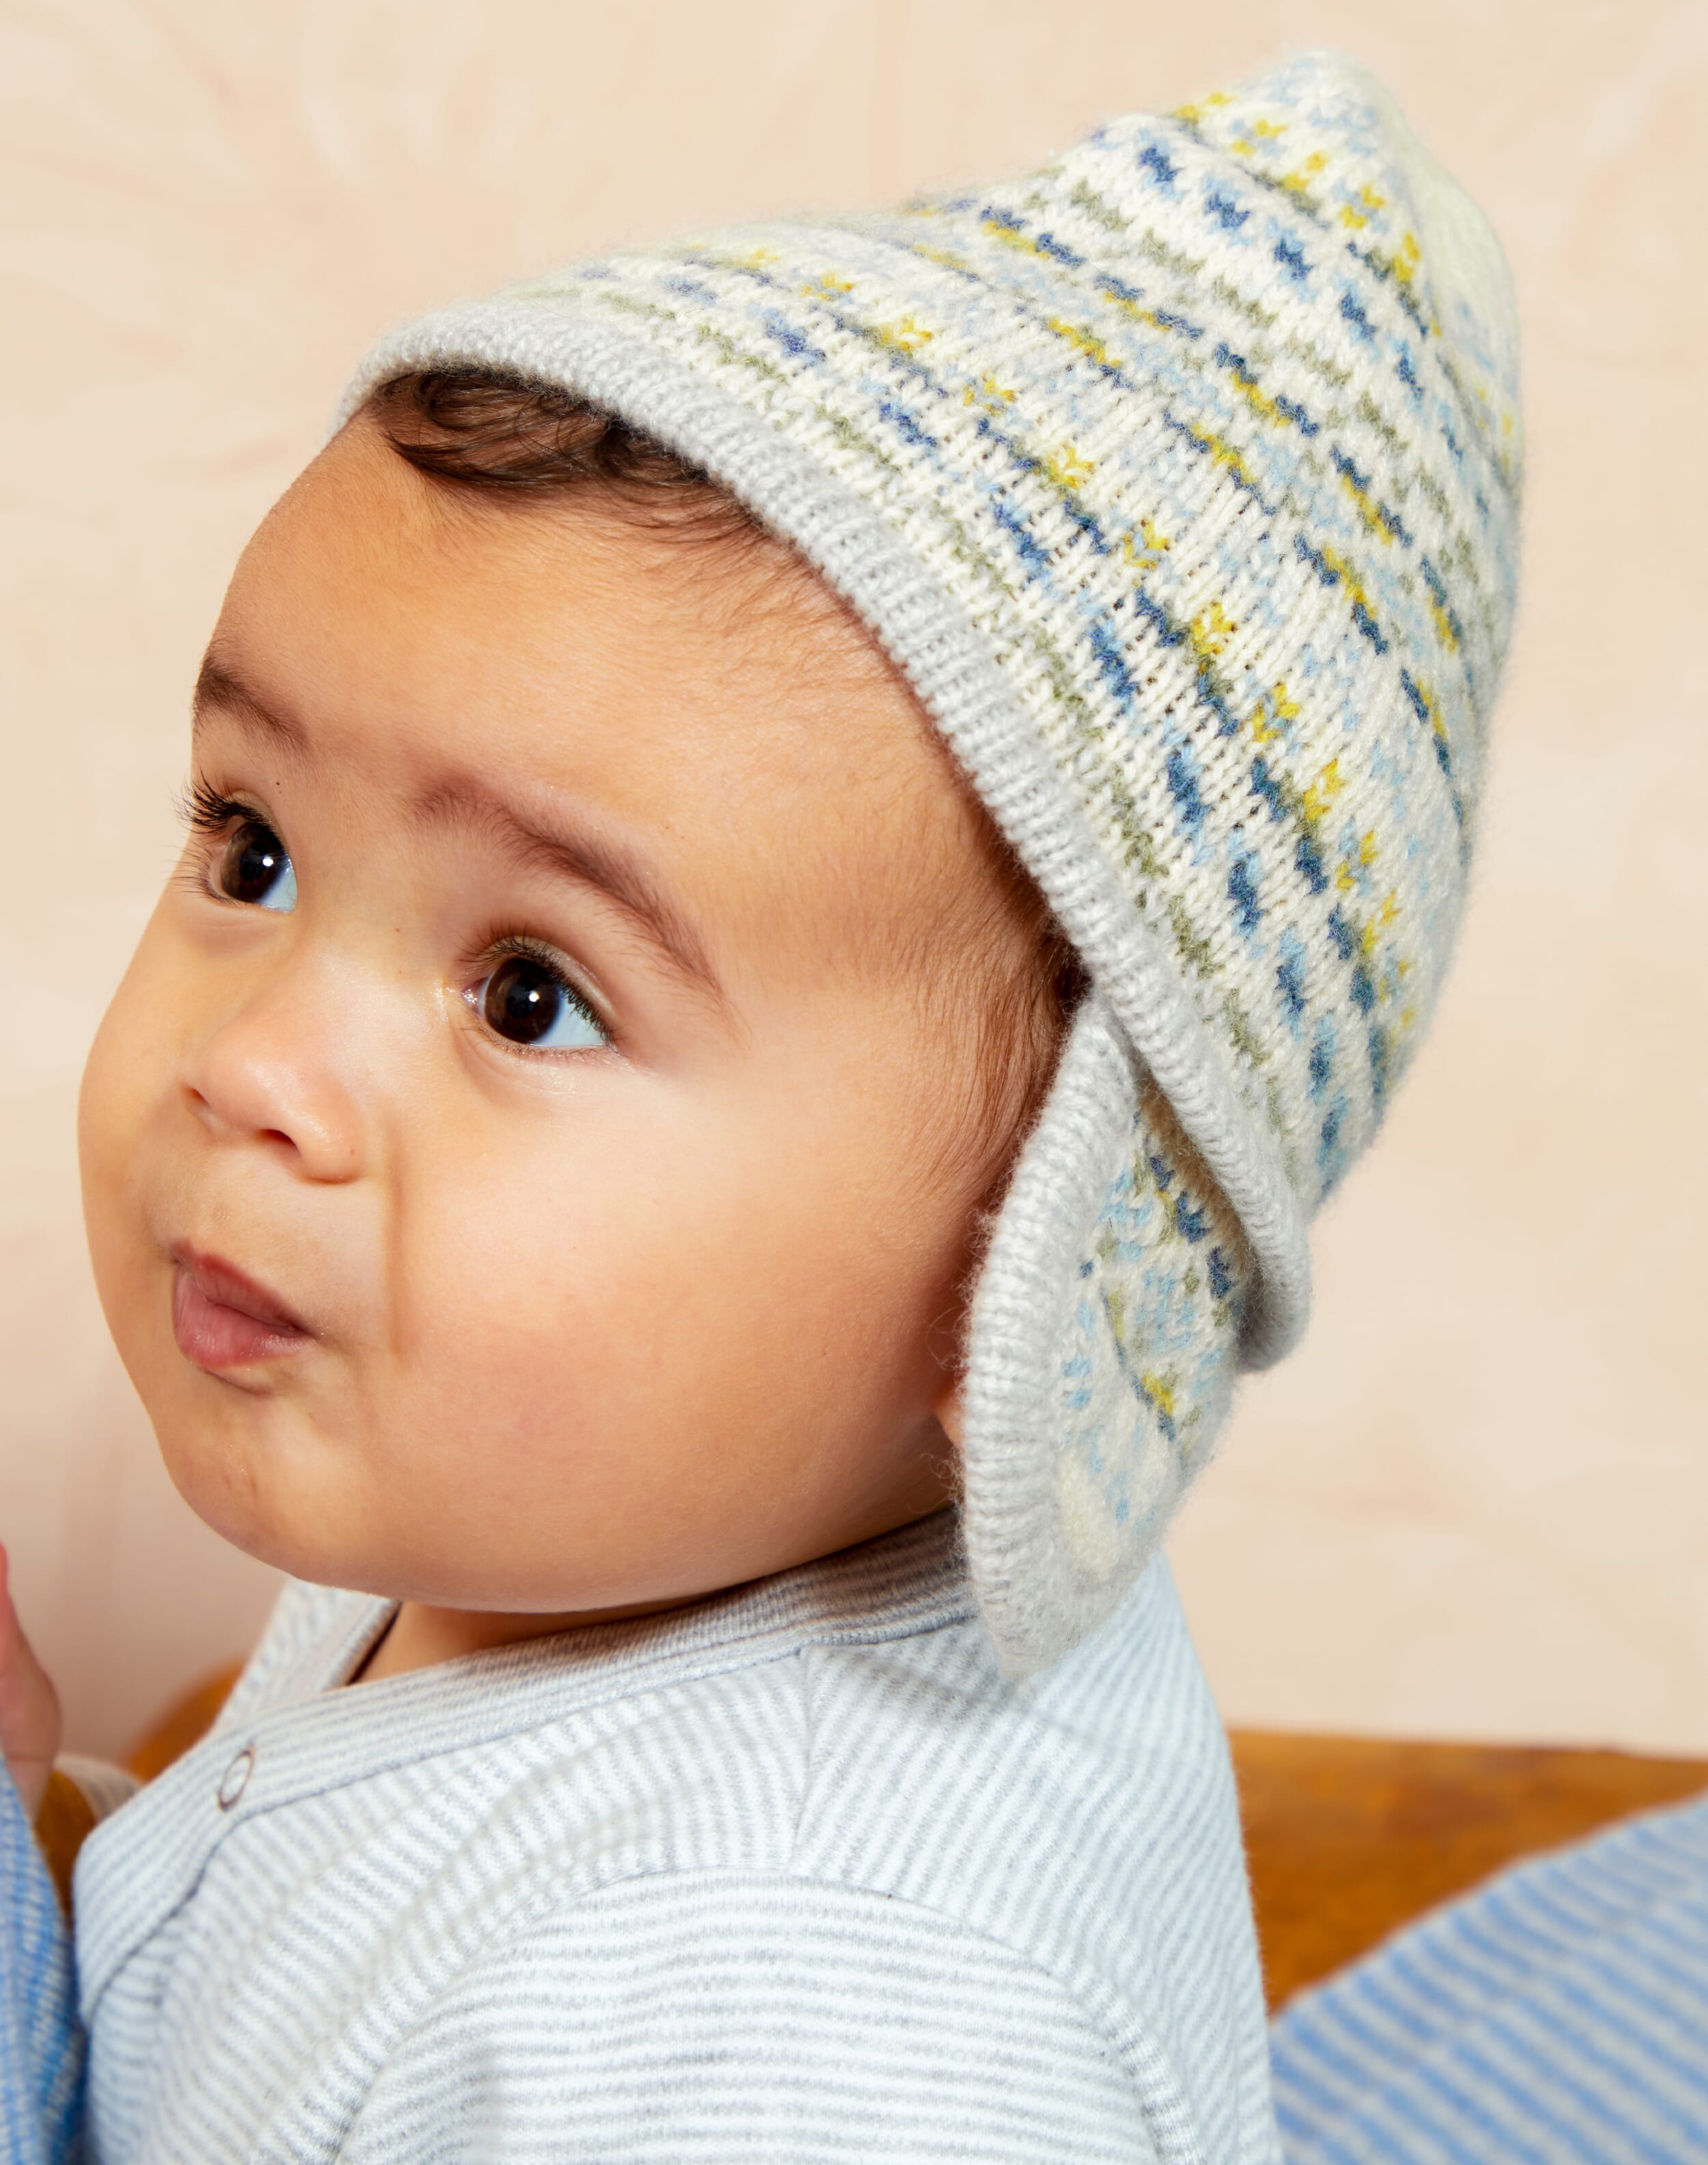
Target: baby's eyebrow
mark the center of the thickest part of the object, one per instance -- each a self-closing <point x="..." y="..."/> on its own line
<point x="466" y="802"/>
<point x="218" y="685"/>
<point x="576" y="853"/>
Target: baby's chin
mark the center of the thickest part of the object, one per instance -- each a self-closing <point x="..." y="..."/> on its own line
<point x="240" y="1486"/>
<point x="274" y="1520"/>
<point x="257" y="1467"/>
<point x="280" y="1492"/>
<point x="259" y="1472"/>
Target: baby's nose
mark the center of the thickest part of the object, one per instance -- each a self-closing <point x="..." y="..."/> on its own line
<point x="262" y="1075"/>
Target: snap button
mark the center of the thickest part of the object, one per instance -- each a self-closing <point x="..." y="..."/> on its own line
<point x="235" y="1779"/>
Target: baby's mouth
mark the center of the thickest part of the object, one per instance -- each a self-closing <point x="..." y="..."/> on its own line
<point x="222" y="1318"/>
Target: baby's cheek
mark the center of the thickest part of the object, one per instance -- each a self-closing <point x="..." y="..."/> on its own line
<point x="515" y="1266"/>
<point x="631" y="1339"/>
<point x="120" y="1082"/>
<point x="591" y="1338"/>
<point x="544" y="1305"/>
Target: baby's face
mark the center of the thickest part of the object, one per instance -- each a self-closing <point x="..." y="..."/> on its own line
<point x="521" y="1162"/>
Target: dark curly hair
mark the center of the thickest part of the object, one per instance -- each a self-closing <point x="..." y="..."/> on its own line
<point x="491" y="429"/>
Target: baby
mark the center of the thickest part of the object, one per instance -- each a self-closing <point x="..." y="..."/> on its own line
<point x="807" y="851"/>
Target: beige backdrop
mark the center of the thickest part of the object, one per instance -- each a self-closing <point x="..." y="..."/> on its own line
<point x="1476" y="1503"/>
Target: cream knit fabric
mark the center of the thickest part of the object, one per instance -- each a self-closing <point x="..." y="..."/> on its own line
<point x="1180" y="477"/>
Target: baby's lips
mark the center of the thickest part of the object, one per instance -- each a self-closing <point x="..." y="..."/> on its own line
<point x="226" y="1286"/>
<point x="223" y="1318"/>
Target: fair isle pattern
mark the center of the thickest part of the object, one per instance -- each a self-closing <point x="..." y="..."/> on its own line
<point x="794" y="1874"/>
<point x="1104" y="1338"/>
<point x="41" y="2039"/>
<point x="1156" y="1313"/>
<point x="1180" y="478"/>
<point x="1558" y="2016"/>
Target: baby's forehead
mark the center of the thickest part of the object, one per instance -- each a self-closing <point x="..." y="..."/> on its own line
<point x="489" y="442"/>
<point x="702" y="690"/>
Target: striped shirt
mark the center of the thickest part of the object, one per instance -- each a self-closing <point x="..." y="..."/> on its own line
<point x="792" y="1874"/>
<point x="1558" y="2016"/>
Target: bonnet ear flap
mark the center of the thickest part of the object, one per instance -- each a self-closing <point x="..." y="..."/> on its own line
<point x="1103" y="1342"/>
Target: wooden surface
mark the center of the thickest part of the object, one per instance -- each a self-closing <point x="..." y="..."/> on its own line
<point x="62" y="1820"/>
<point x="184" y="1723"/>
<point x="1349" y="1837"/>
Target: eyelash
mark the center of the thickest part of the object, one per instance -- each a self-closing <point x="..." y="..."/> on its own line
<point x="498" y="946"/>
<point x="208" y="811"/>
<point x="210" y="816"/>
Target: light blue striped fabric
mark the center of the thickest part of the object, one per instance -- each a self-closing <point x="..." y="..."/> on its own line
<point x="1558" y="2016"/>
<point x="41" y="2080"/>
<point x="792" y="1877"/>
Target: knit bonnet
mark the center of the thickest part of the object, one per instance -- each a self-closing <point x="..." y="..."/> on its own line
<point x="1180" y="479"/>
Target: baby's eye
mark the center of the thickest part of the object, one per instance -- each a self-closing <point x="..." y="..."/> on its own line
<point x="252" y="866"/>
<point x="525" y="1001"/>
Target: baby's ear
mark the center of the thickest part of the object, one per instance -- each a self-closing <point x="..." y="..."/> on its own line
<point x="947" y="1406"/>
